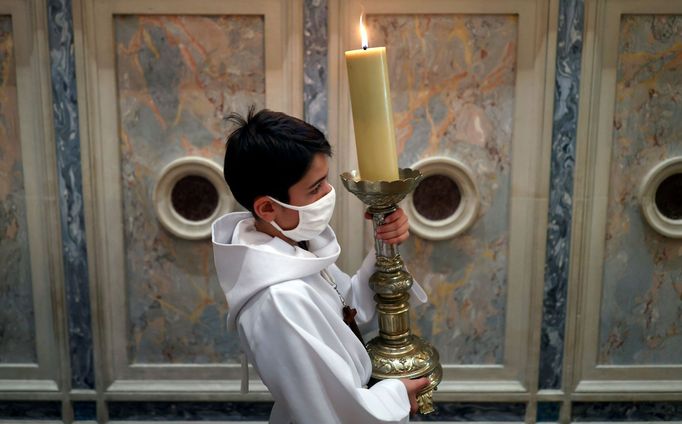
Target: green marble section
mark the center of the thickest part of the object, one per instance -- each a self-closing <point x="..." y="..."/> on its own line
<point x="641" y="309"/>
<point x="17" y="322"/>
<point x="178" y="76"/>
<point x="452" y="87"/>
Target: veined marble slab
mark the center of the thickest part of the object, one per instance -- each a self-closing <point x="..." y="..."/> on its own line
<point x="178" y="76"/>
<point x="17" y="320"/>
<point x="560" y="218"/>
<point x="641" y="312"/>
<point x="452" y="87"/>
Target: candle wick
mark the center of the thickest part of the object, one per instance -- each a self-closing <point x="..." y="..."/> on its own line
<point x="364" y="47"/>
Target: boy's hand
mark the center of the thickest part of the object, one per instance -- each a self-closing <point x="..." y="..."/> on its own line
<point x="395" y="228"/>
<point x="413" y="388"/>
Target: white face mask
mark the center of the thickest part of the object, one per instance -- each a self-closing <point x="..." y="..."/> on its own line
<point x="312" y="218"/>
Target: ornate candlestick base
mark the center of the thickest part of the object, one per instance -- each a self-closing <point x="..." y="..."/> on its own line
<point x="395" y="353"/>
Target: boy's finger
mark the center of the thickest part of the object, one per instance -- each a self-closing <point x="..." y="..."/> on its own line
<point x="424" y="381"/>
<point x="393" y="216"/>
<point x="388" y="219"/>
<point x="393" y="234"/>
<point x="388" y="226"/>
<point x="393" y="230"/>
<point x="398" y="240"/>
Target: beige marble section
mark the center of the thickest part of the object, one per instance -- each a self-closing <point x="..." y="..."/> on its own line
<point x="641" y="309"/>
<point x="178" y="76"/>
<point x="17" y="321"/>
<point x="452" y="85"/>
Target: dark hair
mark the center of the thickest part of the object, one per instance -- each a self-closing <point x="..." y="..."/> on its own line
<point x="269" y="152"/>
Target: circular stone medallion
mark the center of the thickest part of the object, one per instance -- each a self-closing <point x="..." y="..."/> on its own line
<point x="189" y="195"/>
<point x="660" y="197"/>
<point x="445" y="203"/>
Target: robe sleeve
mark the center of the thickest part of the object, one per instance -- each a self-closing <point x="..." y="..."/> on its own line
<point x="359" y="296"/>
<point x="302" y="359"/>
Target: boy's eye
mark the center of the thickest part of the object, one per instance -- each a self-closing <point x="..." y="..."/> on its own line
<point x="317" y="187"/>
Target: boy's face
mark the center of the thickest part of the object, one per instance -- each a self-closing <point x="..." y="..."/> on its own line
<point x="312" y="187"/>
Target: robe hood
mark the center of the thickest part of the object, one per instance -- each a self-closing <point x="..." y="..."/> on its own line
<point x="248" y="261"/>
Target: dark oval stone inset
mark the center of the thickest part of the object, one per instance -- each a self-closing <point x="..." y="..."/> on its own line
<point x="669" y="197"/>
<point x="194" y="197"/>
<point x="436" y="197"/>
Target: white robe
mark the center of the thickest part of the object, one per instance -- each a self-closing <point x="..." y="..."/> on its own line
<point x="291" y="328"/>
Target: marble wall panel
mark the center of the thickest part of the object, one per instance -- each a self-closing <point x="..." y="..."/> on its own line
<point x="67" y="140"/>
<point x="548" y="412"/>
<point x="569" y="48"/>
<point x="452" y="87"/>
<point x="178" y="76"/>
<point x="641" y="310"/>
<point x="474" y="412"/>
<point x="626" y="411"/>
<point x="84" y="410"/>
<point x="315" y="46"/>
<point x="17" y="321"/>
<point x="226" y="412"/>
<point x="26" y="411"/>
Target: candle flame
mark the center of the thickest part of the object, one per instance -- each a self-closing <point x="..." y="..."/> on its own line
<point x="363" y="33"/>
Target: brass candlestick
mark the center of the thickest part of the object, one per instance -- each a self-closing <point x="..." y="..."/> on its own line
<point x="396" y="352"/>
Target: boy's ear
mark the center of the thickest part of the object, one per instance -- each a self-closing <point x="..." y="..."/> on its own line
<point x="264" y="208"/>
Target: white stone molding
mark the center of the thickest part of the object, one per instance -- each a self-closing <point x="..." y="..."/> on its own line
<point x="584" y="373"/>
<point x="174" y="172"/>
<point x="95" y="51"/>
<point x="529" y="182"/>
<point x="34" y="127"/>
<point x="466" y="211"/>
<point x="647" y="197"/>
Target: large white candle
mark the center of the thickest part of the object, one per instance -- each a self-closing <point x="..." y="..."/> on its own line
<point x="370" y="96"/>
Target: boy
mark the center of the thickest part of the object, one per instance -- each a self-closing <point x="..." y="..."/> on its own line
<point x="276" y="264"/>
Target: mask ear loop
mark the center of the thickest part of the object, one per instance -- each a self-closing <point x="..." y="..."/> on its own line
<point x="288" y="206"/>
<point x="284" y="205"/>
<point x="278" y="228"/>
